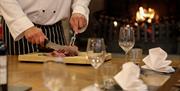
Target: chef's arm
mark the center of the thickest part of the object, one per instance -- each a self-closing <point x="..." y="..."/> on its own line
<point x="80" y="10"/>
<point x="15" y="18"/>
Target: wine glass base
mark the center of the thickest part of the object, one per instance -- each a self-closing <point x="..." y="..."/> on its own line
<point x="91" y="88"/>
<point x="100" y="87"/>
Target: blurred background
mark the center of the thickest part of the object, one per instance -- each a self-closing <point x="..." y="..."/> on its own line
<point x="107" y="16"/>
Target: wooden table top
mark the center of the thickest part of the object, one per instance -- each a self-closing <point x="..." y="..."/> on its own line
<point x="30" y="74"/>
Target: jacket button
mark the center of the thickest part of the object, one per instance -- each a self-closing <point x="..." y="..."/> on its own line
<point x="43" y="11"/>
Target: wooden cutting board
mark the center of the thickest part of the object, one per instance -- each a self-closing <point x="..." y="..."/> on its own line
<point x="41" y="57"/>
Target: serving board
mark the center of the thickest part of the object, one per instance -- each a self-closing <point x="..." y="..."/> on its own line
<point x="41" y="57"/>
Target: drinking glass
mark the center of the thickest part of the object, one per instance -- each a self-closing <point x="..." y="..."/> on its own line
<point x="108" y="71"/>
<point x="96" y="54"/>
<point x="126" y="38"/>
<point x="54" y="75"/>
<point x="135" y="55"/>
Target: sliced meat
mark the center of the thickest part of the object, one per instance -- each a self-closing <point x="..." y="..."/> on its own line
<point x="66" y="51"/>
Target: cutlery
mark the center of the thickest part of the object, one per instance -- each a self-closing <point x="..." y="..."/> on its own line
<point x="49" y="44"/>
<point x="73" y="38"/>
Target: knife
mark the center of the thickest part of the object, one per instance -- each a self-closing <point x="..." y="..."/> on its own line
<point x="51" y="45"/>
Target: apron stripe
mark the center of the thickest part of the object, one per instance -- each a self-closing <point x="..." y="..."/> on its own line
<point x="27" y="46"/>
<point x="56" y="30"/>
<point x="23" y="46"/>
<point x="59" y="33"/>
<point x="9" y="38"/>
<point x="17" y="44"/>
<point x="54" y="34"/>
<point x="5" y="37"/>
<point x="45" y="31"/>
<point x="50" y="37"/>
<point x="32" y="48"/>
<point x="61" y="37"/>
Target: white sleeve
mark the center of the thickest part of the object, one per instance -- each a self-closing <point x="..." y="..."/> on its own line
<point x="81" y="6"/>
<point x="15" y="18"/>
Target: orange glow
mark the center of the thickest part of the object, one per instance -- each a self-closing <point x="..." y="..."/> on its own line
<point x="145" y="14"/>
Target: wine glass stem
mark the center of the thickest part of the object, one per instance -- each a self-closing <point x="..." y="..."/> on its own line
<point x="96" y="82"/>
<point x="126" y="56"/>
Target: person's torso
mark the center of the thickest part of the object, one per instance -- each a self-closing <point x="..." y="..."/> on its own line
<point x="46" y="12"/>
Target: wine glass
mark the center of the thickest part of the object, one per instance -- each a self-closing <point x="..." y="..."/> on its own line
<point x="126" y="38"/>
<point x="96" y="55"/>
<point x="54" y="75"/>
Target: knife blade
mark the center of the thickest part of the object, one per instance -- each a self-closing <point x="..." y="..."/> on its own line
<point x="49" y="44"/>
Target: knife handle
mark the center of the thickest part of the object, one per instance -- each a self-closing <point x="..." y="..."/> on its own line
<point x="46" y="41"/>
<point x="44" y="48"/>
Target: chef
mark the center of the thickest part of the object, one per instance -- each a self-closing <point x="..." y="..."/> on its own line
<point x="29" y="22"/>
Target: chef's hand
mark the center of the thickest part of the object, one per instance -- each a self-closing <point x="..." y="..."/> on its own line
<point x="77" y="21"/>
<point x="35" y="36"/>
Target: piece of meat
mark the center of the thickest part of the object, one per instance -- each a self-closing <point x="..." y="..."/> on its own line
<point x="65" y="51"/>
<point x="57" y="54"/>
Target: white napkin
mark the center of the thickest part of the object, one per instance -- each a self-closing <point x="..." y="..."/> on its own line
<point x="128" y="78"/>
<point x="156" y="60"/>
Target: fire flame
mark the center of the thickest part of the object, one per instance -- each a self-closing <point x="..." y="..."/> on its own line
<point x="144" y="14"/>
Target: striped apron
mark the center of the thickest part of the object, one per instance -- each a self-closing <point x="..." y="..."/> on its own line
<point x="53" y="32"/>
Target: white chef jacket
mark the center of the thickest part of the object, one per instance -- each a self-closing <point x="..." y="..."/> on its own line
<point x="21" y="14"/>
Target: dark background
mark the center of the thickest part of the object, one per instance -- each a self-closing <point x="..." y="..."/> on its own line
<point x="103" y="12"/>
<point x="128" y="7"/>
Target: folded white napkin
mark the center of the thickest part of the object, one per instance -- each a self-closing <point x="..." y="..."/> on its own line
<point x="128" y="78"/>
<point x="156" y="60"/>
